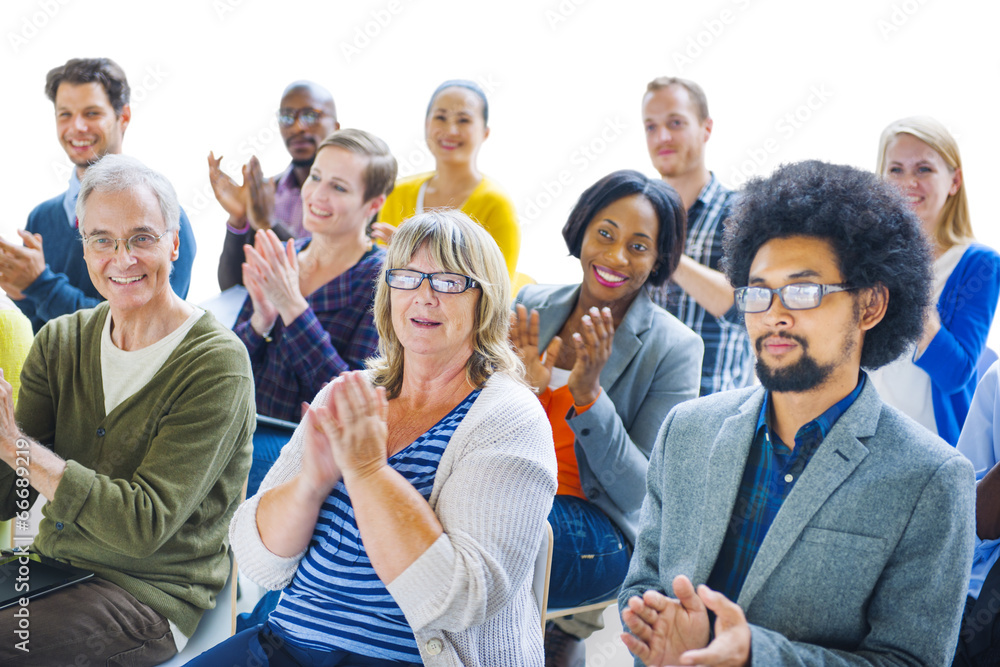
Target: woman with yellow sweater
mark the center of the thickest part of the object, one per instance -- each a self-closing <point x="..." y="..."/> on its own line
<point x="15" y="341"/>
<point x="455" y="128"/>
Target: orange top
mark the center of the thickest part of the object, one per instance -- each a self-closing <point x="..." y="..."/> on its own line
<point x="557" y="405"/>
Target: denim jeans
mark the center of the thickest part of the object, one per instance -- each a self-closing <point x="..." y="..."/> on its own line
<point x="267" y="444"/>
<point x="260" y="646"/>
<point x="589" y="554"/>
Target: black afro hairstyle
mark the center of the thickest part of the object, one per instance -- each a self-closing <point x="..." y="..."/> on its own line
<point x="621" y="184"/>
<point x="877" y="239"/>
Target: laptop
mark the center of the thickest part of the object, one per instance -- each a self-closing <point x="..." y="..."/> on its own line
<point x="28" y="575"/>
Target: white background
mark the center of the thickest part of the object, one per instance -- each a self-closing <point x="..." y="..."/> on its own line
<point x="565" y="81"/>
<point x="561" y="76"/>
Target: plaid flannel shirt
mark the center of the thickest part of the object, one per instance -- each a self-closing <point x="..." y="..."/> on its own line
<point x="336" y="333"/>
<point x="728" y="361"/>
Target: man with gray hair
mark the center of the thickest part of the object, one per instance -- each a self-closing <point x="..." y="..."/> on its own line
<point x="134" y="420"/>
<point x="91" y="98"/>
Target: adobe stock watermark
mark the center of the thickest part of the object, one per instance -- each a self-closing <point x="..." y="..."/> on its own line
<point x="580" y="160"/>
<point x="223" y="8"/>
<point x="899" y="15"/>
<point x="613" y="651"/>
<point x="711" y="30"/>
<point x="142" y="86"/>
<point x="365" y="34"/>
<point x="786" y="126"/>
<point x="561" y="12"/>
<point x="22" y="533"/>
<point x="32" y="23"/>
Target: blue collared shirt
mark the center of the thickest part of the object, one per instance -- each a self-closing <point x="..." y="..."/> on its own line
<point x="69" y="199"/>
<point x="769" y="476"/>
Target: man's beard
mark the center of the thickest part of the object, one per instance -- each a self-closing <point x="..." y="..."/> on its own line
<point x="804" y="375"/>
<point x="304" y="163"/>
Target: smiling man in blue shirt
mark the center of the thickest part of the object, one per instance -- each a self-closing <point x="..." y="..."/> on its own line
<point x="91" y="98"/>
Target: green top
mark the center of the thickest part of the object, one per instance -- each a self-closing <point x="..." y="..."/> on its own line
<point x="149" y="489"/>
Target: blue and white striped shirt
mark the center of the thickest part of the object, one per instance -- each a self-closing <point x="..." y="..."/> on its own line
<point x="336" y="601"/>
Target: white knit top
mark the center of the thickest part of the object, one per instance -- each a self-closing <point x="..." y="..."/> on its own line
<point x="468" y="597"/>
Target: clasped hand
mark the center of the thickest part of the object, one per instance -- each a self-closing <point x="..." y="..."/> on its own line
<point x="593" y="348"/>
<point x="346" y="434"/>
<point x="675" y="631"/>
<point x="271" y="276"/>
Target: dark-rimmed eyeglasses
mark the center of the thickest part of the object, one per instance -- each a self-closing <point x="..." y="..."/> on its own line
<point x="105" y="245"/>
<point x="308" y="116"/>
<point x="797" y="296"/>
<point x="446" y="283"/>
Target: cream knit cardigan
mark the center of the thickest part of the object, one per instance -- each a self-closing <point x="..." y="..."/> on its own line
<point x="468" y="597"/>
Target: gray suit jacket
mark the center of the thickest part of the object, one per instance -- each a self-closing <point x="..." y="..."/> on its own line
<point x="655" y="364"/>
<point x="868" y="559"/>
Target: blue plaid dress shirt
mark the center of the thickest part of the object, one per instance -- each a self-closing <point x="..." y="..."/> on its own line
<point x="770" y="474"/>
<point x="336" y="333"/>
<point x="728" y="361"/>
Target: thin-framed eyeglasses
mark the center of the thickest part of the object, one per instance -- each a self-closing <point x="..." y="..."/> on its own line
<point x="446" y="283"/>
<point x="105" y="245"/>
<point x="796" y="296"/>
<point x="308" y="116"/>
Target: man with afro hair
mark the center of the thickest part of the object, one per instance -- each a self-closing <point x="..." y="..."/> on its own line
<point x="804" y="521"/>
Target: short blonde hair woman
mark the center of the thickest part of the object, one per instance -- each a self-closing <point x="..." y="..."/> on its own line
<point x="404" y="517"/>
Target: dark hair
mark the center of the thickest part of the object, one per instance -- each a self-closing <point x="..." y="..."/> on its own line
<point x="877" y="239"/>
<point x="468" y="85"/>
<point x="104" y="71"/>
<point x="618" y="185"/>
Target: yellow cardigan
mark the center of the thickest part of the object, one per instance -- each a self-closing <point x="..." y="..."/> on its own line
<point x="487" y="205"/>
<point x="15" y="341"/>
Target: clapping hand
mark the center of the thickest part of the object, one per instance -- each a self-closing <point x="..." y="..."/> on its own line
<point x="354" y="423"/>
<point x="675" y="631"/>
<point x="259" y="195"/>
<point x="21" y="265"/>
<point x="271" y="276"/>
<point x="382" y="231"/>
<point x="593" y="348"/>
<point x="524" y="338"/>
<point x="9" y="432"/>
<point x="231" y="197"/>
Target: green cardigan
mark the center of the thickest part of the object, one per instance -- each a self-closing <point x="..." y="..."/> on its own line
<point x="149" y="490"/>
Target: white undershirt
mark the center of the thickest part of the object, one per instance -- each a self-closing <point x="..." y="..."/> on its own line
<point x="904" y="385"/>
<point x="559" y="378"/>
<point x="126" y="372"/>
<point x="420" y="198"/>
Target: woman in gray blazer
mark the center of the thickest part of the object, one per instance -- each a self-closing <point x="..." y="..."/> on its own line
<point x="614" y="364"/>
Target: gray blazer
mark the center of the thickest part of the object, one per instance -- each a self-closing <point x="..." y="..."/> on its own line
<point x="655" y="364"/>
<point x="867" y="561"/>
